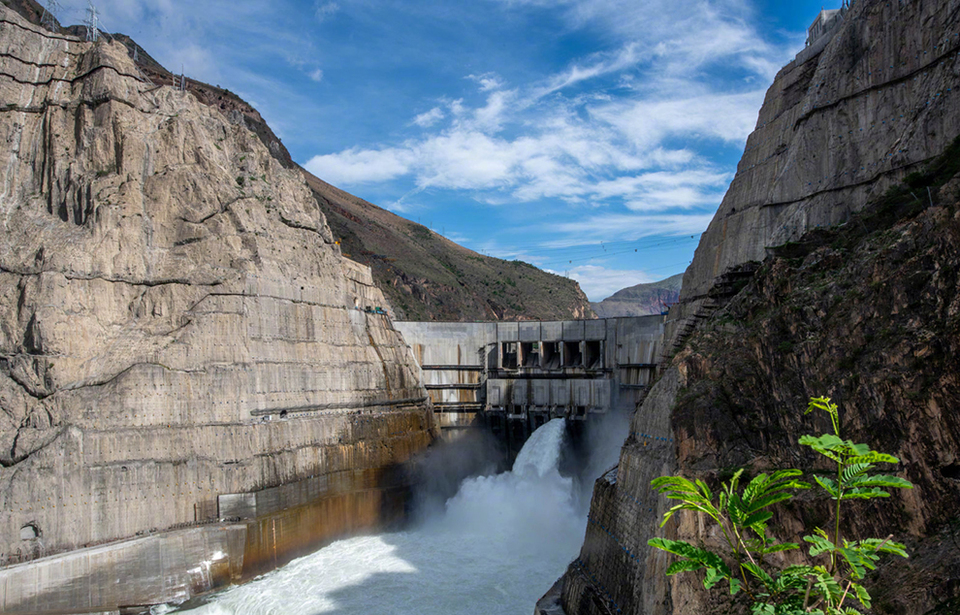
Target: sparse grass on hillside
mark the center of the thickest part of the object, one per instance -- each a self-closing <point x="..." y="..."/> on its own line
<point x="425" y="276"/>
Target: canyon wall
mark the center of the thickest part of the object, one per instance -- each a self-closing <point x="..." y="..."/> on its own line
<point x="179" y="339"/>
<point x="849" y="117"/>
<point x="859" y="302"/>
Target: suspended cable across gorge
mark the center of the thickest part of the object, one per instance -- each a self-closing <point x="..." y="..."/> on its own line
<point x="590" y="252"/>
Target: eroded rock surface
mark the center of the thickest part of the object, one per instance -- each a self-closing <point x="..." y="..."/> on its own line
<point x="837" y="128"/>
<point x="865" y="313"/>
<point x="176" y="322"/>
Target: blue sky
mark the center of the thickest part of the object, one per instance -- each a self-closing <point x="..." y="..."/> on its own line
<point x="593" y="138"/>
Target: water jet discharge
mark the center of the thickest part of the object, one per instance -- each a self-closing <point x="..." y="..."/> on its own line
<point x="496" y="547"/>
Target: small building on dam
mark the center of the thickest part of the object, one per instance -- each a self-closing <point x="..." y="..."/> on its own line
<point x="513" y="377"/>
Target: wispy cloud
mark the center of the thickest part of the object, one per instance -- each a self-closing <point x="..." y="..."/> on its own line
<point x="487" y="81"/>
<point x="625" y="227"/>
<point x="325" y="10"/>
<point x="631" y="149"/>
<point x="429" y="118"/>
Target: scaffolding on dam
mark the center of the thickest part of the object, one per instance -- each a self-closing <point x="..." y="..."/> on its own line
<point x="512" y="377"/>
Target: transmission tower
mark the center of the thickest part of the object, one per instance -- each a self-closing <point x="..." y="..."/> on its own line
<point x="93" y="25"/>
<point x="51" y="9"/>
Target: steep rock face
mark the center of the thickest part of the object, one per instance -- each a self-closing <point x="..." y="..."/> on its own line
<point x="176" y="322"/>
<point x="866" y="313"/>
<point x="875" y="327"/>
<point x="837" y="128"/>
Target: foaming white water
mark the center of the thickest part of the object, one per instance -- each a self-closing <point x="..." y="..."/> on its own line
<point x="541" y="453"/>
<point x="499" y="545"/>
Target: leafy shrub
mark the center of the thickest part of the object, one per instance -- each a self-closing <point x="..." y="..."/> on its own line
<point x="830" y="584"/>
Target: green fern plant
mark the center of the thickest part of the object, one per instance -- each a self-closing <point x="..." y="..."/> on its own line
<point x="831" y="584"/>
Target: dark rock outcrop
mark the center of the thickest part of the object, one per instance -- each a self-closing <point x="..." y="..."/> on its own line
<point x="830" y="269"/>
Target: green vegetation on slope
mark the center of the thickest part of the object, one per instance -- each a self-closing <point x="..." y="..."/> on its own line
<point x="868" y="312"/>
<point x="829" y="582"/>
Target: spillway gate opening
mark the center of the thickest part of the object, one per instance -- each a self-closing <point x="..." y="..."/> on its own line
<point x="512" y="377"/>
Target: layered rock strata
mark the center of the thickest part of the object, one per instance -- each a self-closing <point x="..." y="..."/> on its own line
<point x="849" y="117"/>
<point x="178" y="332"/>
<point x="865" y="314"/>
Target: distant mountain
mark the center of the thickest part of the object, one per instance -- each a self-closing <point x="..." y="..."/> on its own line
<point x="640" y="300"/>
<point x="425" y="276"/>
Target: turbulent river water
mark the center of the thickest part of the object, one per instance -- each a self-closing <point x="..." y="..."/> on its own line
<point x="496" y="547"/>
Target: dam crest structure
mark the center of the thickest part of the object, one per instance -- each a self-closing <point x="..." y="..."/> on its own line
<point x="512" y="377"/>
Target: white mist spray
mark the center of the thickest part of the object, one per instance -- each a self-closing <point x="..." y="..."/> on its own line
<point x="499" y="544"/>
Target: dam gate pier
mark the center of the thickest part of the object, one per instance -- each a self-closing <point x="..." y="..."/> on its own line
<point x="512" y="377"/>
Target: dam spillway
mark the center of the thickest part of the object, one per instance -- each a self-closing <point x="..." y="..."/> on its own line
<point x="493" y="549"/>
<point x="512" y="377"/>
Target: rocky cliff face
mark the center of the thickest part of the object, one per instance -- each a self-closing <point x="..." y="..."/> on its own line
<point x="848" y="118"/>
<point x="865" y="312"/>
<point x="868" y="314"/>
<point x="176" y="322"/>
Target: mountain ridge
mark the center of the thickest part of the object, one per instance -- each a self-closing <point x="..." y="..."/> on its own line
<point x="426" y="276"/>
<point x="640" y="299"/>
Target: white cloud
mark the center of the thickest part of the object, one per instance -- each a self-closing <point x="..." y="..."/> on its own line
<point x="360" y="166"/>
<point x="464" y="159"/>
<point x="648" y="122"/>
<point x="599" y="282"/>
<point x="316" y="75"/>
<point x="429" y="118"/>
<point x="491" y="116"/>
<point x="623" y="141"/>
<point x="487" y="81"/>
<point x="534" y="142"/>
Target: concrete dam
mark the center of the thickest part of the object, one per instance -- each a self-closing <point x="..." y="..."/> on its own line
<point x="512" y="377"/>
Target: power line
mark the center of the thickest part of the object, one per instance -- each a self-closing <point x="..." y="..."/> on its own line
<point x="645" y="247"/>
<point x="51" y="10"/>
<point x="607" y="247"/>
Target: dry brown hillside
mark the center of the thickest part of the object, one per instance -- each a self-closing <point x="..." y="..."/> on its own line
<point x="641" y="299"/>
<point x="425" y="276"/>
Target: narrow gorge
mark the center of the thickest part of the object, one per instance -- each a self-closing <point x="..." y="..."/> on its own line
<point x="227" y="386"/>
